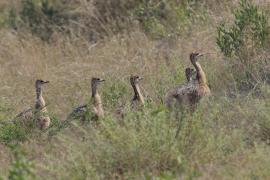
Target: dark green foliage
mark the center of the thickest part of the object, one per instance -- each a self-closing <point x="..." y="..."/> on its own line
<point x="245" y="45"/>
<point x="249" y="22"/>
<point x="12" y="133"/>
<point x="42" y="17"/>
<point x="12" y="19"/>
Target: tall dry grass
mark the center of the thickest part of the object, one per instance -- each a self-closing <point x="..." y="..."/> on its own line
<point x="69" y="65"/>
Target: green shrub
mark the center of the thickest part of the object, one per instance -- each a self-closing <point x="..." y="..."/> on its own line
<point x="249" y="22"/>
<point x="21" y="168"/>
<point x="19" y="129"/>
<point x="10" y="132"/>
<point x="43" y="17"/>
<point x="14" y="133"/>
<point x="245" y="46"/>
<point x="55" y="127"/>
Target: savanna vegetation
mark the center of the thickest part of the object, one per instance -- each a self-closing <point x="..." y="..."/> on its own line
<point x="69" y="41"/>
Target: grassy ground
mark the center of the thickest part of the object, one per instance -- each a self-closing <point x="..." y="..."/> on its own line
<point x="226" y="138"/>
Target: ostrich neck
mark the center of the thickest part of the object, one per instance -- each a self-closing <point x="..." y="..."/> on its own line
<point x="137" y="93"/>
<point x="96" y="97"/>
<point x="94" y="90"/>
<point x="200" y="73"/>
<point x="40" y="102"/>
<point x="39" y="92"/>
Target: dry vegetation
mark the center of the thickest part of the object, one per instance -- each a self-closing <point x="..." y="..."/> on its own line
<point x="226" y="138"/>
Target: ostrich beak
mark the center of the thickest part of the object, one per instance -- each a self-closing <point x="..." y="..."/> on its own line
<point x="201" y="54"/>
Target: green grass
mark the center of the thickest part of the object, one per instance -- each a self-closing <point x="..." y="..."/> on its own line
<point x="224" y="138"/>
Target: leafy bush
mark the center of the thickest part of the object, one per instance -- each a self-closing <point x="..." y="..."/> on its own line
<point x="245" y="46"/>
<point x="12" y="133"/>
<point x="18" y="129"/>
<point x="249" y="23"/>
<point x="43" y="17"/>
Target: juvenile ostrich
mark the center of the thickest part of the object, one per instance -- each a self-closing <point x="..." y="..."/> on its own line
<point x="191" y="92"/>
<point x="172" y="93"/>
<point x="40" y="112"/>
<point x="97" y="103"/>
<point x="189" y="72"/>
<point x="138" y="98"/>
<point x="97" y="108"/>
<point x="199" y="87"/>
